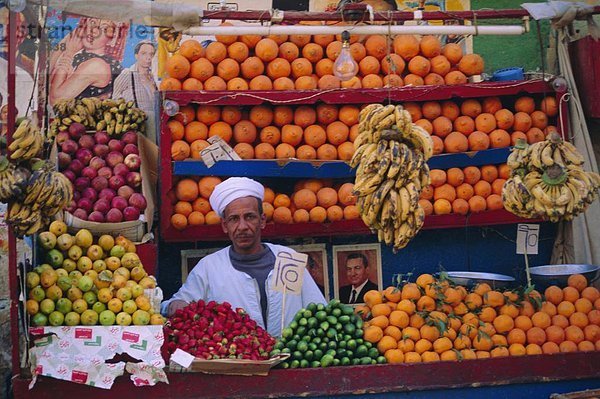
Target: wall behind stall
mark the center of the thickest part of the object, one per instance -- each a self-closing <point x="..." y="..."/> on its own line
<point x="485" y="249"/>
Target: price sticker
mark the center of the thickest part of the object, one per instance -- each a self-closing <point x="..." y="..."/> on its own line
<point x="218" y="150"/>
<point x="288" y="273"/>
<point x="527" y="238"/>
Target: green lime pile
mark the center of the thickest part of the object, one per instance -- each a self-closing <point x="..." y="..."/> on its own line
<point x="324" y="336"/>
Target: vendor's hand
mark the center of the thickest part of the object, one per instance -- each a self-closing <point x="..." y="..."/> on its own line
<point x="174" y="306"/>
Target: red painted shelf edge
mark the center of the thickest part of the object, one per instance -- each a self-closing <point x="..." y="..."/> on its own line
<point x="340" y="380"/>
<point x="343" y="227"/>
<point x="346" y="96"/>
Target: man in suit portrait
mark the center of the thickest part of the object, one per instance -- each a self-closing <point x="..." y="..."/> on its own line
<point x="357" y="272"/>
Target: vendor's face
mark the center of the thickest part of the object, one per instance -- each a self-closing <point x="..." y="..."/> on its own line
<point x="356" y="271"/>
<point x="98" y="33"/>
<point x="145" y="55"/>
<point x="4" y="113"/>
<point x="242" y="222"/>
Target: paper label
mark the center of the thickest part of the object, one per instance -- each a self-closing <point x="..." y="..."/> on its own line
<point x="182" y="358"/>
<point x="289" y="272"/>
<point x="218" y="150"/>
<point x="527" y="238"/>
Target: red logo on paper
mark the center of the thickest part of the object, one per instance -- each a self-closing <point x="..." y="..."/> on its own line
<point x="39" y="369"/>
<point x="130" y="337"/>
<point x="79" y="377"/>
<point x="83" y="333"/>
<point x="36" y="330"/>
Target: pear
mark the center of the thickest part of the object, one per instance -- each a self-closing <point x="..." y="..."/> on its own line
<point x="130" y="260"/>
<point x="84" y="238"/>
<point x="55" y="258"/>
<point x="106" y="242"/>
<point x="47" y="240"/>
<point x="58" y="228"/>
<point x="48" y="278"/>
<point x="65" y="241"/>
<point x="33" y="279"/>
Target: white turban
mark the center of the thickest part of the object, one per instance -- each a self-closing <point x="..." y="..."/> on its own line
<point x="232" y="189"/>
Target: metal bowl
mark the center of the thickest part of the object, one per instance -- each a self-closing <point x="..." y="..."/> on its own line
<point x="470" y="279"/>
<point x="547" y="275"/>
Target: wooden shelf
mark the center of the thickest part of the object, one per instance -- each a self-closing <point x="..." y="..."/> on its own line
<point x="341" y="228"/>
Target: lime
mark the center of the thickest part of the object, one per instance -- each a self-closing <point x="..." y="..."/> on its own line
<point x="324" y="325"/>
<point x="304" y="363"/>
<point x="312" y="346"/>
<point x="284" y="365"/>
<point x="327" y="361"/>
<point x="332" y="345"/>
<point x="320" y="307"/>
<point x="303" y="321"/>
<point x="332" y="333"/>
<point x="312" y="307"/>
<point x="373" y="353"/>
<point x="368" y="344"/>
<point x="355" y="361"/>
<point x="341" y="352"/>
<point x="297" y="355"/>
<point x="296" y="337"/>
<point x="332" y="320"/>
<point x="339" y="327"/>
<point x="302" y="346"/>
<point x="278" y="345"/>
<point x="331" y="352"/>
<point x="345" y="361"/>
<point x="315" y="364"/>
<point x="307" y="314"/>
<point x="316" y="340"/>
<point x="309" y="355"/>
<point x="344" y="319"/>
<point x="275" y="352"/>
<point x="334" y="303"/>
<point x="360" y="341"/>
<point x="336" y="362"/>
<point x="313" y="322"/>
<point x="306" y="338"/>
<point x="322" y="346"/>
<point x="318" y="354"/>
<point x="361" y="351"/>
<point x="337" y="312"/>
<point x="342" y="344"/>
<point x="351" y="344"/>
<point x="301" y="331"/>
<point x="359" y="323"/>
<point x="347" y="337"/>
<point x="320" y="332"/>
<point x="381" y="360"/>
<point x="321" y="315"/>
<point x="365" y="360"/>
<point x="358" y="333"/>
<point x="294" y="364"/>
<point x="293" y="325"/>
<point x="286" y="350"/>
<point x="347" y="310"/>
<point x="349" y="328"/>
<point x="292" y="344"/>
<point x="325" y="340"/>
<point x="287" y="332"/>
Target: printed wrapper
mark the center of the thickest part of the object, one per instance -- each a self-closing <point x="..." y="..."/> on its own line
<point x="79" y="354"/>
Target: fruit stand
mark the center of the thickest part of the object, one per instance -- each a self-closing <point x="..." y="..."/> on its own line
<point x="463" y="144"/>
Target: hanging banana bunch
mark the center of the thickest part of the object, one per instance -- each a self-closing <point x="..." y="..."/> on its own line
<point x="391" y="156"/>
<point x="28" y="141"/>
<point x="47" y="192"/>
<point x="13" y="180"/>
<point x="548" y="181"/>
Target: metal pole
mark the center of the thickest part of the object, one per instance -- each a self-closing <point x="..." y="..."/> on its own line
<point x="13" y="279"/>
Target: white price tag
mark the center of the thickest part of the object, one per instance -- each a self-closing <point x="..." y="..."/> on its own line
<point x="528" y="236"/>
<point x="182" y="358"/>
<point x="288" y="273"/>
<point x="218" y="150"/>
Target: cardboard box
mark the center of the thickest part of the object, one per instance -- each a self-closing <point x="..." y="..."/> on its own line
<point x="134" y="230"/>
<point x="80" y="354"/>
<point x="230" y="366"/>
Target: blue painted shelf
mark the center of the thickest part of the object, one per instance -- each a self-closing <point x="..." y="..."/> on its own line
<point x="325" y="169"/>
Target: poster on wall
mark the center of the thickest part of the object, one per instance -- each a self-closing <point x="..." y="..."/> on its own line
<point x="92" y="57"/>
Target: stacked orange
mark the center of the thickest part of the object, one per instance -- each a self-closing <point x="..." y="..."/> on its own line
<point x="475" y="125"/>
<point x="305" y="62"/>
<point x="313" y="200"/>
<point x="461" y="191"/>
<point x="324" y="132"/>
<point x="433" y="319"/>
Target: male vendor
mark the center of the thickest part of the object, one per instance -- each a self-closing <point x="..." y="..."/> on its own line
<point x="241" y="274"/>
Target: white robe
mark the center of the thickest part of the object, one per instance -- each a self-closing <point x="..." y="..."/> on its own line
<point x="215" y="279"/>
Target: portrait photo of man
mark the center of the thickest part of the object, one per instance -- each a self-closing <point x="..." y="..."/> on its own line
<point x="358" y="270"/>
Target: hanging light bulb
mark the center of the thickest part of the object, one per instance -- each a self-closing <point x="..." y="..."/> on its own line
<point x="16" y="5"/>
<point x="344" y="67"/>
<point x="171" y="107"/>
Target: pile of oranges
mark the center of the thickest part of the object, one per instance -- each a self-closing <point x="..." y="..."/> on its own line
<point x="324" y="132"/>
<point x="312" y="200"/>
<point x="475" y="125"/>
<point x="305" y="62"/>
<point x="461" y="191"/>
<point x="433" y="319"/>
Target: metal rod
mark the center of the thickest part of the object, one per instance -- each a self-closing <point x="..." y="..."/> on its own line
<point x="356" y="30"/>
<point x="13" y="280"/>
<point x="295" y="16"/>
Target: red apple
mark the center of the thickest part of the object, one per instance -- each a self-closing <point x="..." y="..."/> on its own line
<point x="133" y="162"/>
<point x="134" y="179"/>
<point x="89" y="172"/>
<point x="96" y="217"/>
<point x="99" y="183"/>
<point x="120" y="169"/>
<point x="87" y="141"/>
<point x="125" y="192"/>
<point x="100" y="150"/>
<point x="80" y="213"/>
<point x="116" y="181"/>
<point x="138" y="201"/>
<point x="119" y="202"/>
<point x="61" y="137"/>
<point x="97" y="162"/>
<point x="76" y="130"/>
<point x="102" y="205"/>
<point x="114" y="216"/>
<point x="85" y="204"/>
<point x="81" y="183"/>
<point x="76" y="166"/>
<point x="70" y="175"/>
<point x="107" y="194"/>
<point x="113" y="158"/>
<point x="64" y="160"/>
<point x="116" y="145"/>
<point x="130" y="137"/>
<point x="69" y="146"/>
<point x="131" y="213"/>
<point x="130" y="149"/>
<point x="101" y="137"/>
<point x="90" y="194"/>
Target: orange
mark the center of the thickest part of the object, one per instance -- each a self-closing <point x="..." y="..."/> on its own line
<point x="419" y="66"/>
<point x="179" y="221"/>
<point x="571" y="294"/>
<point x="541" y="319"/>
<point x="178" y="66"/>
<point x="471" y="64"/>
<point x="282" y="215"/>
<point x="170" y="84"/>
<point x="392" y="64"/>
<point x="337" y="132"/>
<point x="252" y="67"/>
<point x="534" y="135"/>
<point x="471" y="108"/>
<point x="346" y="197"/>
<point x="453" y="52"/>
<point x="201" y="205"/>
<point x="574" y="334"/>
<point x="180" y="150"/>
<point x="500" y="138"/>
<point x="406" y="46"/>
<point x="328" y="82"/>
<point x="590" y="293"/>
<point x="522" y="122"/>
<point x="555" y="334"/>
<point x="373" y="334"/>
<point x="455" y="78"/>
<point x="301" y="216"/>
<point x="577" y="281"/>
<point x="553" y="294"/>
<point x="456" y="142"/>
<point x="549" y="106"/>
